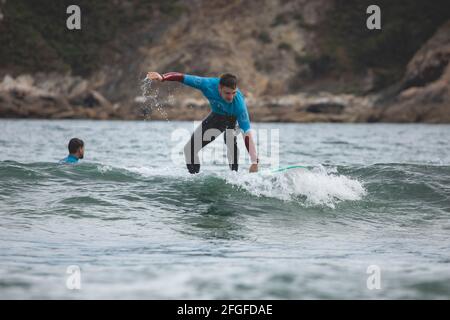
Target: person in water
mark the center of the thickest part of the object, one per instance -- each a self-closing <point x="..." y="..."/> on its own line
<point x="227" y="106"/>
<point x="76" y="151"/>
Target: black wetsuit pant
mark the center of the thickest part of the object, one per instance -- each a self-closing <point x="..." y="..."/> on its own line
<point x="211" y="127"/>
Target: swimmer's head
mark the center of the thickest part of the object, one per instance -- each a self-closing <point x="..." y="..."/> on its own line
<point x="228" y="86"/>
<point x="76" y="148"/>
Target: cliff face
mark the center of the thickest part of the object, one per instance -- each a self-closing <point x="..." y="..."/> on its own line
<point x="300" y="60"/>
<point x="258" y="40"/>
<point x="425" y="89"/>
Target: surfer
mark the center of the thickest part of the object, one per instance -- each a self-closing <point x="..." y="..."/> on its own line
<point x="227" y="106"/>
<point x="76" y="151"/>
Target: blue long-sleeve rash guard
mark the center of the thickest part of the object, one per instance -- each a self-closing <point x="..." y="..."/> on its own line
<point x="210" y="89"/>
<point x="70" y="159"/>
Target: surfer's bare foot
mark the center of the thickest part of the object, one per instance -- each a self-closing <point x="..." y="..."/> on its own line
<point x="154" y="76"/>
<point x="253" y="168"/>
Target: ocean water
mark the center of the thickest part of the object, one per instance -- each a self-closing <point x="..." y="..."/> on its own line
<point x="368" y="219"/>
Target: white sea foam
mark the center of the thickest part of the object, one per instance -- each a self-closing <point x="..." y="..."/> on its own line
<point x="147" y="172"/>
<point x="318" y="186"/>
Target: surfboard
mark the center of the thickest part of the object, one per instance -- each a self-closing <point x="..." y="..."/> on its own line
<point x="283" y="169"/>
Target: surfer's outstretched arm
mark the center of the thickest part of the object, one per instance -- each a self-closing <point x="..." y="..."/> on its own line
<point x="170" y="76"/>
<point x="173" y="76"/>
<point x="189" y="80"/>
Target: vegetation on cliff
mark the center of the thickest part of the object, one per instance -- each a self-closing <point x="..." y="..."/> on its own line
<point x="347" y="46"/>
<point x="34" y="36"/>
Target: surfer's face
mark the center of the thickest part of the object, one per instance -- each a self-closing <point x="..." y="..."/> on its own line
<point x="81" y="153"/>
<point x="227" y="93"/>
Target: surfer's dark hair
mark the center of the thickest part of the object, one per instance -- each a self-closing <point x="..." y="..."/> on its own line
<point x="228" y="80"/>
<point x="75" y="144"/>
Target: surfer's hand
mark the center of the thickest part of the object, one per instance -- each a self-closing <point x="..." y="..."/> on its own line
<point x="154" y="76"/>
<point x="253" y="168"/>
